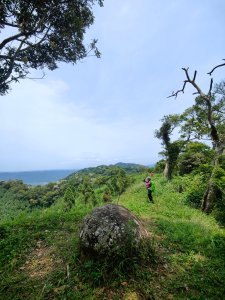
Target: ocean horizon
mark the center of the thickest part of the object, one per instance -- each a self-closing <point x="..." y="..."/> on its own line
<point x="37" y="177"/>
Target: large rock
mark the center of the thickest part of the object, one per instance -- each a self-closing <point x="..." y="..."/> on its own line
<point x="111" y="230"/>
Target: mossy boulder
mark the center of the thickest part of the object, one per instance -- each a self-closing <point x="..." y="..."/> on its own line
<point x="111" y="230"/>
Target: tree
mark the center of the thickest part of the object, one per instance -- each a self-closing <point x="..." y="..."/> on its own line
<point x="160" y="166"/>
<point x="107" y="196"/>
<point x="69" y="199"/>
<point x="118" y="181"/>
<point x="172" y="149"/>
<point x="194" y="155"/>
<point x="41" y="33"/>
<point x="87" y="191"/>
<point x="204" y="112"/>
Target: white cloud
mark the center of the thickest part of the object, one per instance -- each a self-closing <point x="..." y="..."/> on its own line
<point x="40" y="124"/>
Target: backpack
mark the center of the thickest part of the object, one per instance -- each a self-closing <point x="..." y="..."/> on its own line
<point x="148" y="184"/>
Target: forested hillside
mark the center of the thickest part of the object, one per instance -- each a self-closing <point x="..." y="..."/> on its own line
<point x="94" y="184"/>
<point x="40" y="256"/>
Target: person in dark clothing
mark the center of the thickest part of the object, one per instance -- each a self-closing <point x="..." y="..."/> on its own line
<point x="148" y="185"/>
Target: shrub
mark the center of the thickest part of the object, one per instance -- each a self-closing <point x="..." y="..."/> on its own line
<point x="195" y="194"/>
<point x="193" y="188"/>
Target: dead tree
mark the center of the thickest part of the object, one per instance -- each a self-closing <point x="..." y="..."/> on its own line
<point x="217" y="140"/>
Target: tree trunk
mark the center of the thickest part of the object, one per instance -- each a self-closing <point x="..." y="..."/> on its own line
<point x="209" y="197"/>
<point x="167" y="171"/>
<point x="211" y="191"/>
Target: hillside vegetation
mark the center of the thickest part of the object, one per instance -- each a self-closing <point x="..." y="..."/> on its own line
<point x="39" y="247"/>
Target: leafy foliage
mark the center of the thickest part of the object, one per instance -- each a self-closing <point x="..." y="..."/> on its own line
<point x="194" y="156"/>
<point x="160" y="166"/>
<point x="40" y="34"/>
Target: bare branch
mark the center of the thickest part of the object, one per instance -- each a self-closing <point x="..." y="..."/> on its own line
<point x="210" y="88"/>
<point x="175" y="94"/>
<point x="188" y="80"/>
<point x="192" y="82"/>
<point x="194" y="75"/>
<point x="218" y="66"/>
<point x="186" y="72"/>
<point x="34" y="78"/>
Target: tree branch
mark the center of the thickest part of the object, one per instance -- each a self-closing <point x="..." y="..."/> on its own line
<point x="10" y="24"/>
<point x="191" y="81"/>
<point x="210" y="88"/>
<point x="34" y="78"/>
<point x="194" y="75"/>
<point x="186" y="72"/>
<point x="14" y="37"/>
<point x="218" y="66"/>
<point x="11" y="64"/>
<point x="175" y="94"/>
<point x="38" y="43"/>
<point x="10" y="57"/>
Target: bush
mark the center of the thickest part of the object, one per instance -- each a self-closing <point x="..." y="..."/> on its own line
<point x="193" y="188"/>
<point x="195" y="194"/>
<point x="219" y="182"/>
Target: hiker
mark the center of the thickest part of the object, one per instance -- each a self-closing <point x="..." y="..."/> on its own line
<point x="148" y="185"/>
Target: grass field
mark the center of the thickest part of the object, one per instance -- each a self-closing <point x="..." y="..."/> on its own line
<point x="39" y="253"/>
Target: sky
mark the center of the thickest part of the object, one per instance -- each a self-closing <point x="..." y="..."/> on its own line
<point x="104" y="111"/>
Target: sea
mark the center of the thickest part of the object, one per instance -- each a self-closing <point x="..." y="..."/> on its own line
<point x="36" y="177"/>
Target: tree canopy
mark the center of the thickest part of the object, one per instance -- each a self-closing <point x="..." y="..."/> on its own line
<point x="39" y="34"/>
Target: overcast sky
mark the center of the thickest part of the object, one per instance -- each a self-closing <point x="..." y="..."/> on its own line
<point x="106" y="110"/>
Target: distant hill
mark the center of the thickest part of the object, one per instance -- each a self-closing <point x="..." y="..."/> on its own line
<point x="131" y="168"/>
<point x="36" y="177"/>
<point x="105" y="170"/>
<point x="47" y="176"/>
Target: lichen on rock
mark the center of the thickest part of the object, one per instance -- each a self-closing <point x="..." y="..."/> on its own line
<point x="111" y="230"/>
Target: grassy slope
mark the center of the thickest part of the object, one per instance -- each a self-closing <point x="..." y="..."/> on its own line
<point x="39" y="256"/>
